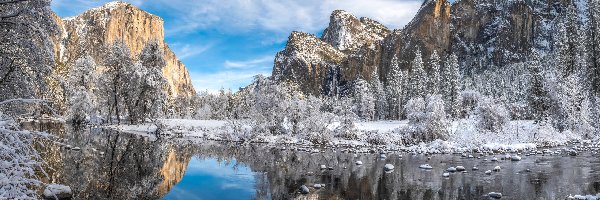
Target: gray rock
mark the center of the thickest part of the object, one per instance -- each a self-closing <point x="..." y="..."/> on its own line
<point x="388" y="167"/>
<point x="495" y="195"/>
<point x="304" y="189"/>
<point x="54" y="191"/>
<point x="451" y="169"/>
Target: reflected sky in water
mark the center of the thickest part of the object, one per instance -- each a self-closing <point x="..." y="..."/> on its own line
<point x="113" y="165"/>
<point x="211" y="179"/>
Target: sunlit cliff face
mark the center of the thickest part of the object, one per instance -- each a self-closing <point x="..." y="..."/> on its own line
<point x="91" y="32"/>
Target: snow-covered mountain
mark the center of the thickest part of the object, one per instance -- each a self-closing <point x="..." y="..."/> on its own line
<point x="91" y="32"/>
<point x="484" y="34"/>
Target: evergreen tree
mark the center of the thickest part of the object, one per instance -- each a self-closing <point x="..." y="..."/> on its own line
<point x="537" y="95"/>
<point x="434" y="72"/>
<point x="451" y="85"/>
<point x="394" y="89"/>
<point x="418" y="77"/>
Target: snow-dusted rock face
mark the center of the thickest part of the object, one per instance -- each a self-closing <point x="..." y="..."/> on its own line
<point x="483" y="34"/>
<point x="346" y="32"/>
<point x="307" y="61"/>
<point x="91" y="32"/>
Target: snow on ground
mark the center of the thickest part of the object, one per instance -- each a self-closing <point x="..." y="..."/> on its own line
<point x="193" y="123"/>
<point x="463" y="134"/>
<point x="381" y="126"/>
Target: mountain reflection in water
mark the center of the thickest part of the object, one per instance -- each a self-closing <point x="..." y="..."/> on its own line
<point x="136" y="167"/>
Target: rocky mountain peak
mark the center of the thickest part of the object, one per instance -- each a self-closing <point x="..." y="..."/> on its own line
<point x="347" y="32"/>
<point x="94" y="30"/>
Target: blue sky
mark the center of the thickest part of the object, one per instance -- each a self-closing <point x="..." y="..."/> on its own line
<point x="224" y="43"/>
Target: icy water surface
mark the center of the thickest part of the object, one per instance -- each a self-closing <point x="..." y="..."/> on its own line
<point x="112" y="165"/>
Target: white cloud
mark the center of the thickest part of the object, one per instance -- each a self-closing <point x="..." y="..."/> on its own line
<point x="282" y="16"/>
<point x="262" y="62"/>
<point x="186" y="50"/>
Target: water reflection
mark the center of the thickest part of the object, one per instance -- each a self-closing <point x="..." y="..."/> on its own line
<point x="111" y="165"/>
<point x="134" y="167"/>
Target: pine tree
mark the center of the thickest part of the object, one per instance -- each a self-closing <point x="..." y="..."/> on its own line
<point x="451" y="85"/>
<point x="418" y="77"/>
<point x="537" y="95"/>
<point x="394" y="89"/>
<point x="434" y="71"/>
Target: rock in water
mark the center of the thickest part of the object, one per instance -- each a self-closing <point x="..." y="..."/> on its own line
<point x="488" y="172"/>
<point x="516" y="158"/>
<point x="304" y="189"/>
<point x="475" y="168"/>
<point x="494" y="159"/>
<point x="54" y="191"/>
<point x="446" y="174"/>
<point x="460" y="168"/>
<point x="317" y="186"/>
<point x="451" y="169"/>
<point x="359" y="162"/>
<point x="426" y="166"/>
<point x="572" y="152"/>
<point x="382" y="156"/>
<point x="388" y="167"/>
<point x="323" y="167"/>
<point x="497" y="168"/>
<point x="495" y="195"/>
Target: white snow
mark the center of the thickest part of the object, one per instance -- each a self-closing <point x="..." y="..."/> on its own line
<point x="388" y="167"/>
<point x="381" y="126"/>
<point x="53" y="191"/>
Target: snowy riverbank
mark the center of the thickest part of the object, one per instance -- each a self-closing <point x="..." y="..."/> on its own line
<point x="463" y="135"/>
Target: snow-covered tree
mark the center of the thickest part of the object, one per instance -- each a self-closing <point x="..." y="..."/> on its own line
<point x="26" y="48"/>
<point x="394" y="89"/>
<point x="434" y="73"/>
<point x="380" y="98"/>
<point x="427" y="120"/>
<point x="418" y="77"/>
<point x="148" y="97"/>
<point x="537" y="97"/>
<point x="364" y="103"/>
<point x="451" y="85"/>
<point x="415" y="113"/>
<point x="437" y="124"/>
<point x="80" y="90"/>
<point x="114" y="83"/>
<point x="491" y="116"/>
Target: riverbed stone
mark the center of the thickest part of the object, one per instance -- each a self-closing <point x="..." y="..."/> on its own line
<point x="495" y="195"/>
<point x="388" y="167"/>
<point x="54" y="191"/>
<point x="304" y="189"/>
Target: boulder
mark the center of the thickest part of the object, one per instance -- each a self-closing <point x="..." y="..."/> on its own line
<point x="57" y="191"/>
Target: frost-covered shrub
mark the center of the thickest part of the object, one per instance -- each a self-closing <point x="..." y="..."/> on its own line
<point x="415" y="111"/>
<point x="436" y="124"/>
<point x="469" y="99"/>
<point x="319" y="137"/>
<point x="490" y="115"/>
<point x="427" y="121"/>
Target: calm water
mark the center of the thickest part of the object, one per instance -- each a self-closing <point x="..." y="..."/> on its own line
<point x="136" y="167"/>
